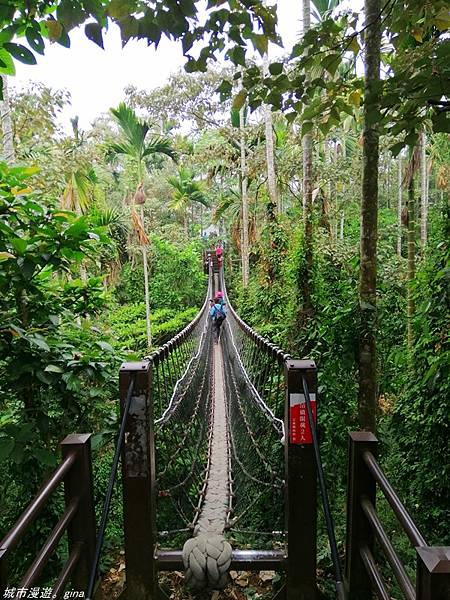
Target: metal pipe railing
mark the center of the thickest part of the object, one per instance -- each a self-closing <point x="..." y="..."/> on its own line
<point x="396" y="504"/>
<point x="68" y="569"/>
<point x="388" y="549"/>
<point x="33" y="510"/>
<point x="374" y="574"/>
<point x="58" y="531"/>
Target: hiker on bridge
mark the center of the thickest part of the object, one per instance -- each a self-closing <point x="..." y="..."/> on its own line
<point x="217" y="313"/>
<point x="219" y="253"/>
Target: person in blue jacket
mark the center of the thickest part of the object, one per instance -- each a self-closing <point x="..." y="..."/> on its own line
<point x="217" y="313"/>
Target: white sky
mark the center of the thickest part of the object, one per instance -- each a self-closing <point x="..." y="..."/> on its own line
<point x="96" y="78"/>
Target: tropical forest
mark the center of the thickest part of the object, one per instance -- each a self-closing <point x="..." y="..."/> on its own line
<point x="225" y="301"/>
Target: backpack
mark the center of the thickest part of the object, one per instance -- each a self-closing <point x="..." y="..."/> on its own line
<point x="219" y="314"/>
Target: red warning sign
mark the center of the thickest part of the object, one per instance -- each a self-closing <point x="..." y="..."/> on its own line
<point x="300" y="431"/>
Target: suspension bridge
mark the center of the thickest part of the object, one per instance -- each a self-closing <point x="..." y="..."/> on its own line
<point x="220" y="460"/>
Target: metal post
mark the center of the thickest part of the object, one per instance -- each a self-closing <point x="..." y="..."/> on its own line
<point x="301" y="486"/>
<point x="138" y="477"/>
<point x="433" y="573"/>
<point x="360" y="483"/>
<point x="78" y="486"/>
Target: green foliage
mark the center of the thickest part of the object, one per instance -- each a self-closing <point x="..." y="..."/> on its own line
<point x="56" y="376"/>
<point x="128" y="325"/>
<point x="421" y="416"/>
<point x="176" y="279"/>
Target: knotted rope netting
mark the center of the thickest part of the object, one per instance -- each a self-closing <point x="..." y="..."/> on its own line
<point x="255" y="390"/>
<point x="219" y="443"/>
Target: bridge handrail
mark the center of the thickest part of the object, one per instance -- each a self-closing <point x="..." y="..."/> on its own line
<point x="78" y="519"/>
<point x="410" y="528"/>
<point x="364" y="526"/>
<point x="271" y="349"/>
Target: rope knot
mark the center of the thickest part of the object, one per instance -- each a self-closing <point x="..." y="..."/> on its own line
<point x="207" y="559"/>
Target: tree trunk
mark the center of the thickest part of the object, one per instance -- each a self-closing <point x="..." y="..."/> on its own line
<point x="270" y="154"/>
<point x="306" y="282"/>
<point x="423" y="191"/>
<point x="399" y="208"/>
<point x="5" y="112"/>
<point x="146" y="287"/>
<point x="244" y="199"/>
<point x="367" y="394"/>
<point x="411" y="261"/>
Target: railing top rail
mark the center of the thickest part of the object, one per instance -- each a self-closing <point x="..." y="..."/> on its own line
<point x="405" y="519"/>
<point x="271" y="349"/>
<point x="33" y="510"/>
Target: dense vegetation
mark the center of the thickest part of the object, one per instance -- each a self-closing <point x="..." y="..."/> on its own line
<point x="330" y="189"/>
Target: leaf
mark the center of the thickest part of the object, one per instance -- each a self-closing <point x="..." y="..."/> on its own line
<point x="441" y="122"/>
<point x="39" y="341"/>
<point x="261" y="43"/>
<point x="276" y="68"/>
<point x="93" y="32"/>
<point x="331" y="63"/>
<point x="290" y="116"/>
<point x="355" y="98"/>
<point x="54" y="29"/>
<point x="20" y="53"/>
<point x="19" y="244"/>
<point x="53" y="369"/>
<point x="7" y="64"/>
<point x="417" y="33"/>
<point x="6" y="447"/>
<point x="224" y="88"/>
<point x="64" y="39"/>
<point x="239" y="99"/>
<point x="6" y="256"/>
<point x="442" y="19"/>
<point x="354" y="45"/>
<point x="97" y="441"/>
<point x="105" y="346"/>
<point x="35" y="40"/>
<point x="7" y="34"/>
<point x="45" y="457"/>
<point x="237" y="55"/>
<point x="31" y="170"/>
<point x="117" y="9"/>
<point x="70" y="14"/>
<point x="396" y="148"/>
<point x="21" y="191"/>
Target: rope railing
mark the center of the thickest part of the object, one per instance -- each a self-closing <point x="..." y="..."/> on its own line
<point x="255" y="390"/>
<point x="173" y="370"/>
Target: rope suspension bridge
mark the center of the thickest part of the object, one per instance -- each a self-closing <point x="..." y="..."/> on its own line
<point x="218" y="449"/>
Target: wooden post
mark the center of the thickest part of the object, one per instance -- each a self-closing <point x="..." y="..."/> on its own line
<point x="78" y="485"/>
<point x="301" y="489"/>
<point x="360" y="483"/>
<point x="138" y="477"/>
<point x="433" y="573"/>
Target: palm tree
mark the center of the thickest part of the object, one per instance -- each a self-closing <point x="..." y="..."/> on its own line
<point x="186" y="193"/>
<point x="81" y="190"/>
<point x="321" y="9"/>
<point x="138" y="146"/>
